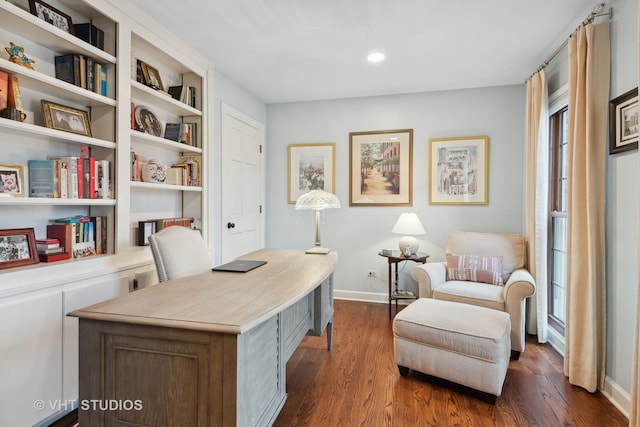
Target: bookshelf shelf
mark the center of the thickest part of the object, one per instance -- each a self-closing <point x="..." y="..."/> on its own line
<point x="152" y="97"/>
<point x="43" y="201"/>
<point x="12" y="127"/>
<point x="151" y="141"/>
<point x="164" y="187"/>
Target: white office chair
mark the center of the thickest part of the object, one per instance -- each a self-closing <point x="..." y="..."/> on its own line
<point x="179" y="251"/>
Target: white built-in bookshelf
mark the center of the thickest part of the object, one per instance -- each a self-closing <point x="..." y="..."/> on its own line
<point x="34" y="299"/>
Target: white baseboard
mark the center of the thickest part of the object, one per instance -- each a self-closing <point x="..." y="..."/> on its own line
<point x="612" y="391"/>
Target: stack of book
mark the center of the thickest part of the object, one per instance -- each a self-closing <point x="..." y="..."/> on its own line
<point x="70" y="178"/>
<point x="82" y="71"/>
<point x="81" y="236"/>
<point x="50" y="250"/>
<point x="185" y="94"/>
<point x="187" y="171"/>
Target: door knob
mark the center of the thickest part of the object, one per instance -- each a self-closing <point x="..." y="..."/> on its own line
<point x="231" y="225"/>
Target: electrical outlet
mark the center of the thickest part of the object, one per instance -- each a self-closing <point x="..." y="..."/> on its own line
<point x="373" y="273"/>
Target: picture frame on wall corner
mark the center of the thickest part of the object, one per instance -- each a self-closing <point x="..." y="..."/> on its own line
<point x="17" y="247"/>
<point x="380" y="168"/>
<point x="11" y="180"/>
<point x="311" y="167"/>
<point x="458" y="170"/>
<point x="623" y="122"/>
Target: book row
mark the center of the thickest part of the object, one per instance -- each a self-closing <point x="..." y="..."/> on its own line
<point x="82" y="71"/>
<point x="70" y="178"/>
<point x="80" y="236"/>
<point x="186" y="171"/>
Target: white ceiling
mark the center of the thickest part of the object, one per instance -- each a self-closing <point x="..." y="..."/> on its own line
<point x="301" y="50"/>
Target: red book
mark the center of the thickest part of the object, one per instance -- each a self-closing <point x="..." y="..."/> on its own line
<point x="62" y="232"/>
<point x="54" y="257"/>
<point x="79" y="162"/>
<point x="92" y="178"/>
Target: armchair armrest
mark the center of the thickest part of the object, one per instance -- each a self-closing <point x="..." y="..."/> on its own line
<point x="429" y="276"/>
<point x="519" y="286"/>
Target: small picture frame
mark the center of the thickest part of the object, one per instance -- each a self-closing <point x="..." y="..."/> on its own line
<point x="145" y="229"/>
<point x="11" y="180"/>
<point x="65" y="118"/>
<point x="380" y="168"/>
<point x="147" y="122"/>
<point x="458" y="170"/>
<point x="51" y="15"/>
<point x="17" y="247"/>
<point x="311" y="167"/>
<point x="623" y="122"/>
<point x="151" y="76"/>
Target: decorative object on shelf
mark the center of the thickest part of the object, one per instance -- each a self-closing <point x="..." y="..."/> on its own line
<point x="623" y="122"/>
<point x="147" y="122"/>
<point x="152" y="171"/>
<point x="14" y="99"/>
<point x="311" y="167"/>
<point x="17" y="56"/>
<point x="151" y="76"/>
<point x="380" y="168"/>
<point x="17" y="247"/>
<point x="317" y="200"/>
<point x="11" y="180"/>
<point x="51" y="15"/>
<point x="408" y="224"/>
<point x="145" y="229"/>
<point x="65" y="118"/>
<point x="4" y="89"/>
<point x="459" y="170"/>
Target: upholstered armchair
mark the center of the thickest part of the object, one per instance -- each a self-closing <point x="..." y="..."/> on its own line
<point x="482" y="269"/>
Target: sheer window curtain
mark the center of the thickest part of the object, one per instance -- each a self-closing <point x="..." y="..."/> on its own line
<point x="589" y="64"/>
<point x="537" y="189"/>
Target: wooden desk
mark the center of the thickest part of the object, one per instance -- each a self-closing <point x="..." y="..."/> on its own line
<point x="205" y="350"/>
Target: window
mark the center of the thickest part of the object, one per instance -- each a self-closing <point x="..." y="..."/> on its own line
<point x="558" y="218"/>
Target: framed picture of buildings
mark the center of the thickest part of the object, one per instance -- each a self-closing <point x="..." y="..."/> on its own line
<point x="380" y="168"/>
<point x="311" y="167"/>
<point x="623" y="122"/>
<point x="458" y="170"/>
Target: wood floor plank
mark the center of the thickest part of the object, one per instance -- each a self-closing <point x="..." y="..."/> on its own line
<point x="357" y="383"/>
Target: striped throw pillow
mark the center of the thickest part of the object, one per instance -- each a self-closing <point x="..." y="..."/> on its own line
<point x="475" y="268"/>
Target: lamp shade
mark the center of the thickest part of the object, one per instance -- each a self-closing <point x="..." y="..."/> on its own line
<point x="317" y="200"/>
<point x="408" y="223"/>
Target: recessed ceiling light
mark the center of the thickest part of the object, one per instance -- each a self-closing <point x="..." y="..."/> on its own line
<point x="375" y="57"/>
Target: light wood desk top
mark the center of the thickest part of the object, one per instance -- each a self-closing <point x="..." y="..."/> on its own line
<point x="221" y="301"/>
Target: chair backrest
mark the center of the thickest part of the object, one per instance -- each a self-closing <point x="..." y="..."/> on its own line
<point x="511" y="247"/>
<point x="179" y="251"/>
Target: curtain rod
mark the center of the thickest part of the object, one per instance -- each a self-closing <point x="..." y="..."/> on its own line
<point x="596" y="12"/>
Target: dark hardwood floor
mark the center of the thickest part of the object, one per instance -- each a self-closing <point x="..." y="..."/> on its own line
<point x="358" y="384"/>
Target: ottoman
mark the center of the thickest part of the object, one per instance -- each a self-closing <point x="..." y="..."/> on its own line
<point x="461" y="343"/>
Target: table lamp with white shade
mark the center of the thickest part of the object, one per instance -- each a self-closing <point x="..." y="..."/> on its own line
<point x="317" y="200"/>
<point x="408" y="224"/>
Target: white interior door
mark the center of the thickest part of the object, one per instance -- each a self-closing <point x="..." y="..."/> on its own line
<point x="242" y="183"/>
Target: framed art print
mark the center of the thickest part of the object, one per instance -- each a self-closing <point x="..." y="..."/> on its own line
<point x="11" y="180"/>
<point x="380" y="168"/>
<point x="623" y="122"/>
<point x="458" y="170"/>
<point x="311" y="167"/>
<point x="17" y="247"/>
<point x="65" y="118"/>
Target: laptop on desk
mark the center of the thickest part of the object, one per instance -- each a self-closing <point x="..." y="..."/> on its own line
<point x="239" y="266"/>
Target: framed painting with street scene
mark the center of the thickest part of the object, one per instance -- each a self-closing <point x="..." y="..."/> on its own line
<point x="623" y="122"/>
<point x="311" y="167"/>
<point x="380" y="168"/>
<point x="458" y="170"/>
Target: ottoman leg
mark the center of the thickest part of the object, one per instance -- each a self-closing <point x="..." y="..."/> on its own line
<point x="404" y="371"/>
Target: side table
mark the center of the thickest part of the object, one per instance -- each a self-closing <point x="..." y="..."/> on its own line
<point x="393" y="260"/>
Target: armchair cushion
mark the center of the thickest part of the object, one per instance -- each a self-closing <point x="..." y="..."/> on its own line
<point x="475" y="268"/>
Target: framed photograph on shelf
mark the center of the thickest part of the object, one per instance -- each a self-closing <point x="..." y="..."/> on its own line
<point x="51" y="15"/>
<point x="311" y="167"/>
<point x="147" y="122"/>
<point x="11" y="180"/>
<point x="458" y="170"/>
<point x="623" y="122"/>
<point x="17" y="247"/>
<point x="64" y="118"/>
<point x="151" y="76"/>
<point x="145" y="229"/>
<point x="380" y="168"/>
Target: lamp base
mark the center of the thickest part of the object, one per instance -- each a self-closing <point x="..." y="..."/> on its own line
<point x="318" y="250"/>
<point x="408" y="245"/>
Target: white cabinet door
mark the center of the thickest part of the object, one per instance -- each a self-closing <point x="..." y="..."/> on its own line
<point x="84" y="294"/>
<point x="30" y="357"/>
